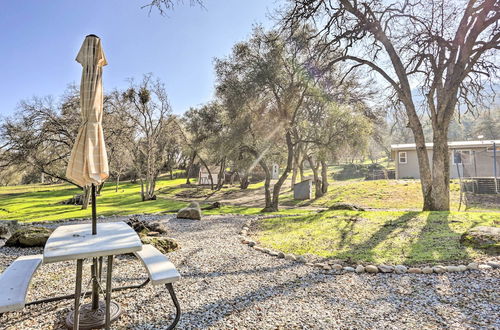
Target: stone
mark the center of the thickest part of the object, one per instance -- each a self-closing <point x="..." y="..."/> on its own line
<point x="345" y="206"/>
<point x="400" y="269"/>
<point x="145" y="227"/>
<point x="349" y="269"/>
<point x="303" y="190"/>
<point x="290" y="257"/>
<point x="301" y="259"/>
<point x="473" y="266"/>
<point x="439" y="269"/>
<point x="427" y="270"/>
<point x="192" y="211"/>
<point x="273" y="253"/>
<point x="7" y="227"/>
<point x="163" y="244"/>
<point x="319" y="265"/>
<point x="452" y="269"/>
<point x="153" y="233"/>
<point x="245" y="228"/>
<point x="327" y="267"/>
<point x="462" y="268"/>
<point x="493" y="264"/>
<point x="484" y="267"/>
<point x="386" y="268"/>
<point x="258" y="248"/>
<point x="28" y="236"/>
<point x="251" y="243"/>
<point x="336" y="267"/>
<point x="482" y="237"/>
<point x="281" y="255"/>
<point x="415" y="270"/>
<point x="360" y="269"/>
<point x="371" y="269"/>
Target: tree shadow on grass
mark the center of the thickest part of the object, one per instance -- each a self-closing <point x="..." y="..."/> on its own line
<point x="365" y="250"/>
<point x="436" y="241"/>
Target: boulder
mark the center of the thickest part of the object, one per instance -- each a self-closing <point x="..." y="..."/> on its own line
<point x="427" y="270"/>
<point x="29" y="236"/>
<point x="415" y="270"/>
<point x="371" y="269"/>
<point x="386" y="268"/>
<point x="439" y="269"/>
<point x="483" y="237"/>
<point x="346" y="206"/>
<point x="164" y="244"/>
<point x="484" y="267"/>
<point x="400" y="269"/>
<point x="146" y="227"/>
<point x="337" y="267"/>
<point x="192" y="211"/>
<point x="360" y="269"/>
<point x="7" y="227"/>
<point x="473" y="266"/>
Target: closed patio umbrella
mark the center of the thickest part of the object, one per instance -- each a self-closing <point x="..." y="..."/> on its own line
<point x="88" y="163"/>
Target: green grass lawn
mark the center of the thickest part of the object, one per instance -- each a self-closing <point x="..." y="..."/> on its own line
<point x="38" y="202"/>
<point x="43" y="202"/>
<point x="382" y="194"/>
<point x="376" y="236"/>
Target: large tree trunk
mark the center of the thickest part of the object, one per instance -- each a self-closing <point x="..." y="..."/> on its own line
<point x="220" y="179"/>
<point x="274" y="207"/>
<point x="209" y="173"/>
<point x="301" y="169"/>
<point x="296" y="161"/>
<point x="324" y="177"/>
<point x="117" y="183"/>
<point x="190" y="165"/>
<point x="86" y="197"/>
<point x="244" y="181"/>
<point x="439" y="199"/>
<point x="267" y="184"/>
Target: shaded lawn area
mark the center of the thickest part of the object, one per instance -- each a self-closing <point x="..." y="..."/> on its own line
<point x="391" y="237"/>
<point x="43" y="202"/>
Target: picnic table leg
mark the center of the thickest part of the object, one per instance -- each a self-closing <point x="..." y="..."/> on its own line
<point x="95" y="287"/>
<point x="177" y="306"/>
<point x="109" y="272"/>
<point x="78" y="292"/>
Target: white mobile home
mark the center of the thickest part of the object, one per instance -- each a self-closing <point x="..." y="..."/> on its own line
<point x="467" y="159"/>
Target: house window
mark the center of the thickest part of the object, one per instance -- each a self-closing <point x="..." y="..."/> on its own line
<point x="402" y="157"/>
<point x="461" y="156"/>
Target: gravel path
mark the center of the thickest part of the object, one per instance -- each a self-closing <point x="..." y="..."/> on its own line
<point x="227" y="285"/>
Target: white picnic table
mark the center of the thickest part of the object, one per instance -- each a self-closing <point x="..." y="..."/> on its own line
<point x="76" y="242"/>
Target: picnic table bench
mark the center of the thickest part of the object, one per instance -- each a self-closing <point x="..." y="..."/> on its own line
<point x="15" y="280"/>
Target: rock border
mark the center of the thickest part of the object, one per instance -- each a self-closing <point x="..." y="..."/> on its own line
<point x="336" y="268"/>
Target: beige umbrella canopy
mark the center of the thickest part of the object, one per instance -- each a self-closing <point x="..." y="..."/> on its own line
<point x="88" y="163"/>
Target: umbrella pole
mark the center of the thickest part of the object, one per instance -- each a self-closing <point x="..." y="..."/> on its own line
<point x="95" y="285"/>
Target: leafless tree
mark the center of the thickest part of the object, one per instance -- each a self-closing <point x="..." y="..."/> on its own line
<point x="149" y="112"/>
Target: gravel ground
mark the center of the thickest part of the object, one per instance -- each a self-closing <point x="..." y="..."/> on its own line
<point x="227" y="285"/>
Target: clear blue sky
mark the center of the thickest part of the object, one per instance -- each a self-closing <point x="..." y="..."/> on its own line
<point x="40" y="40"/>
